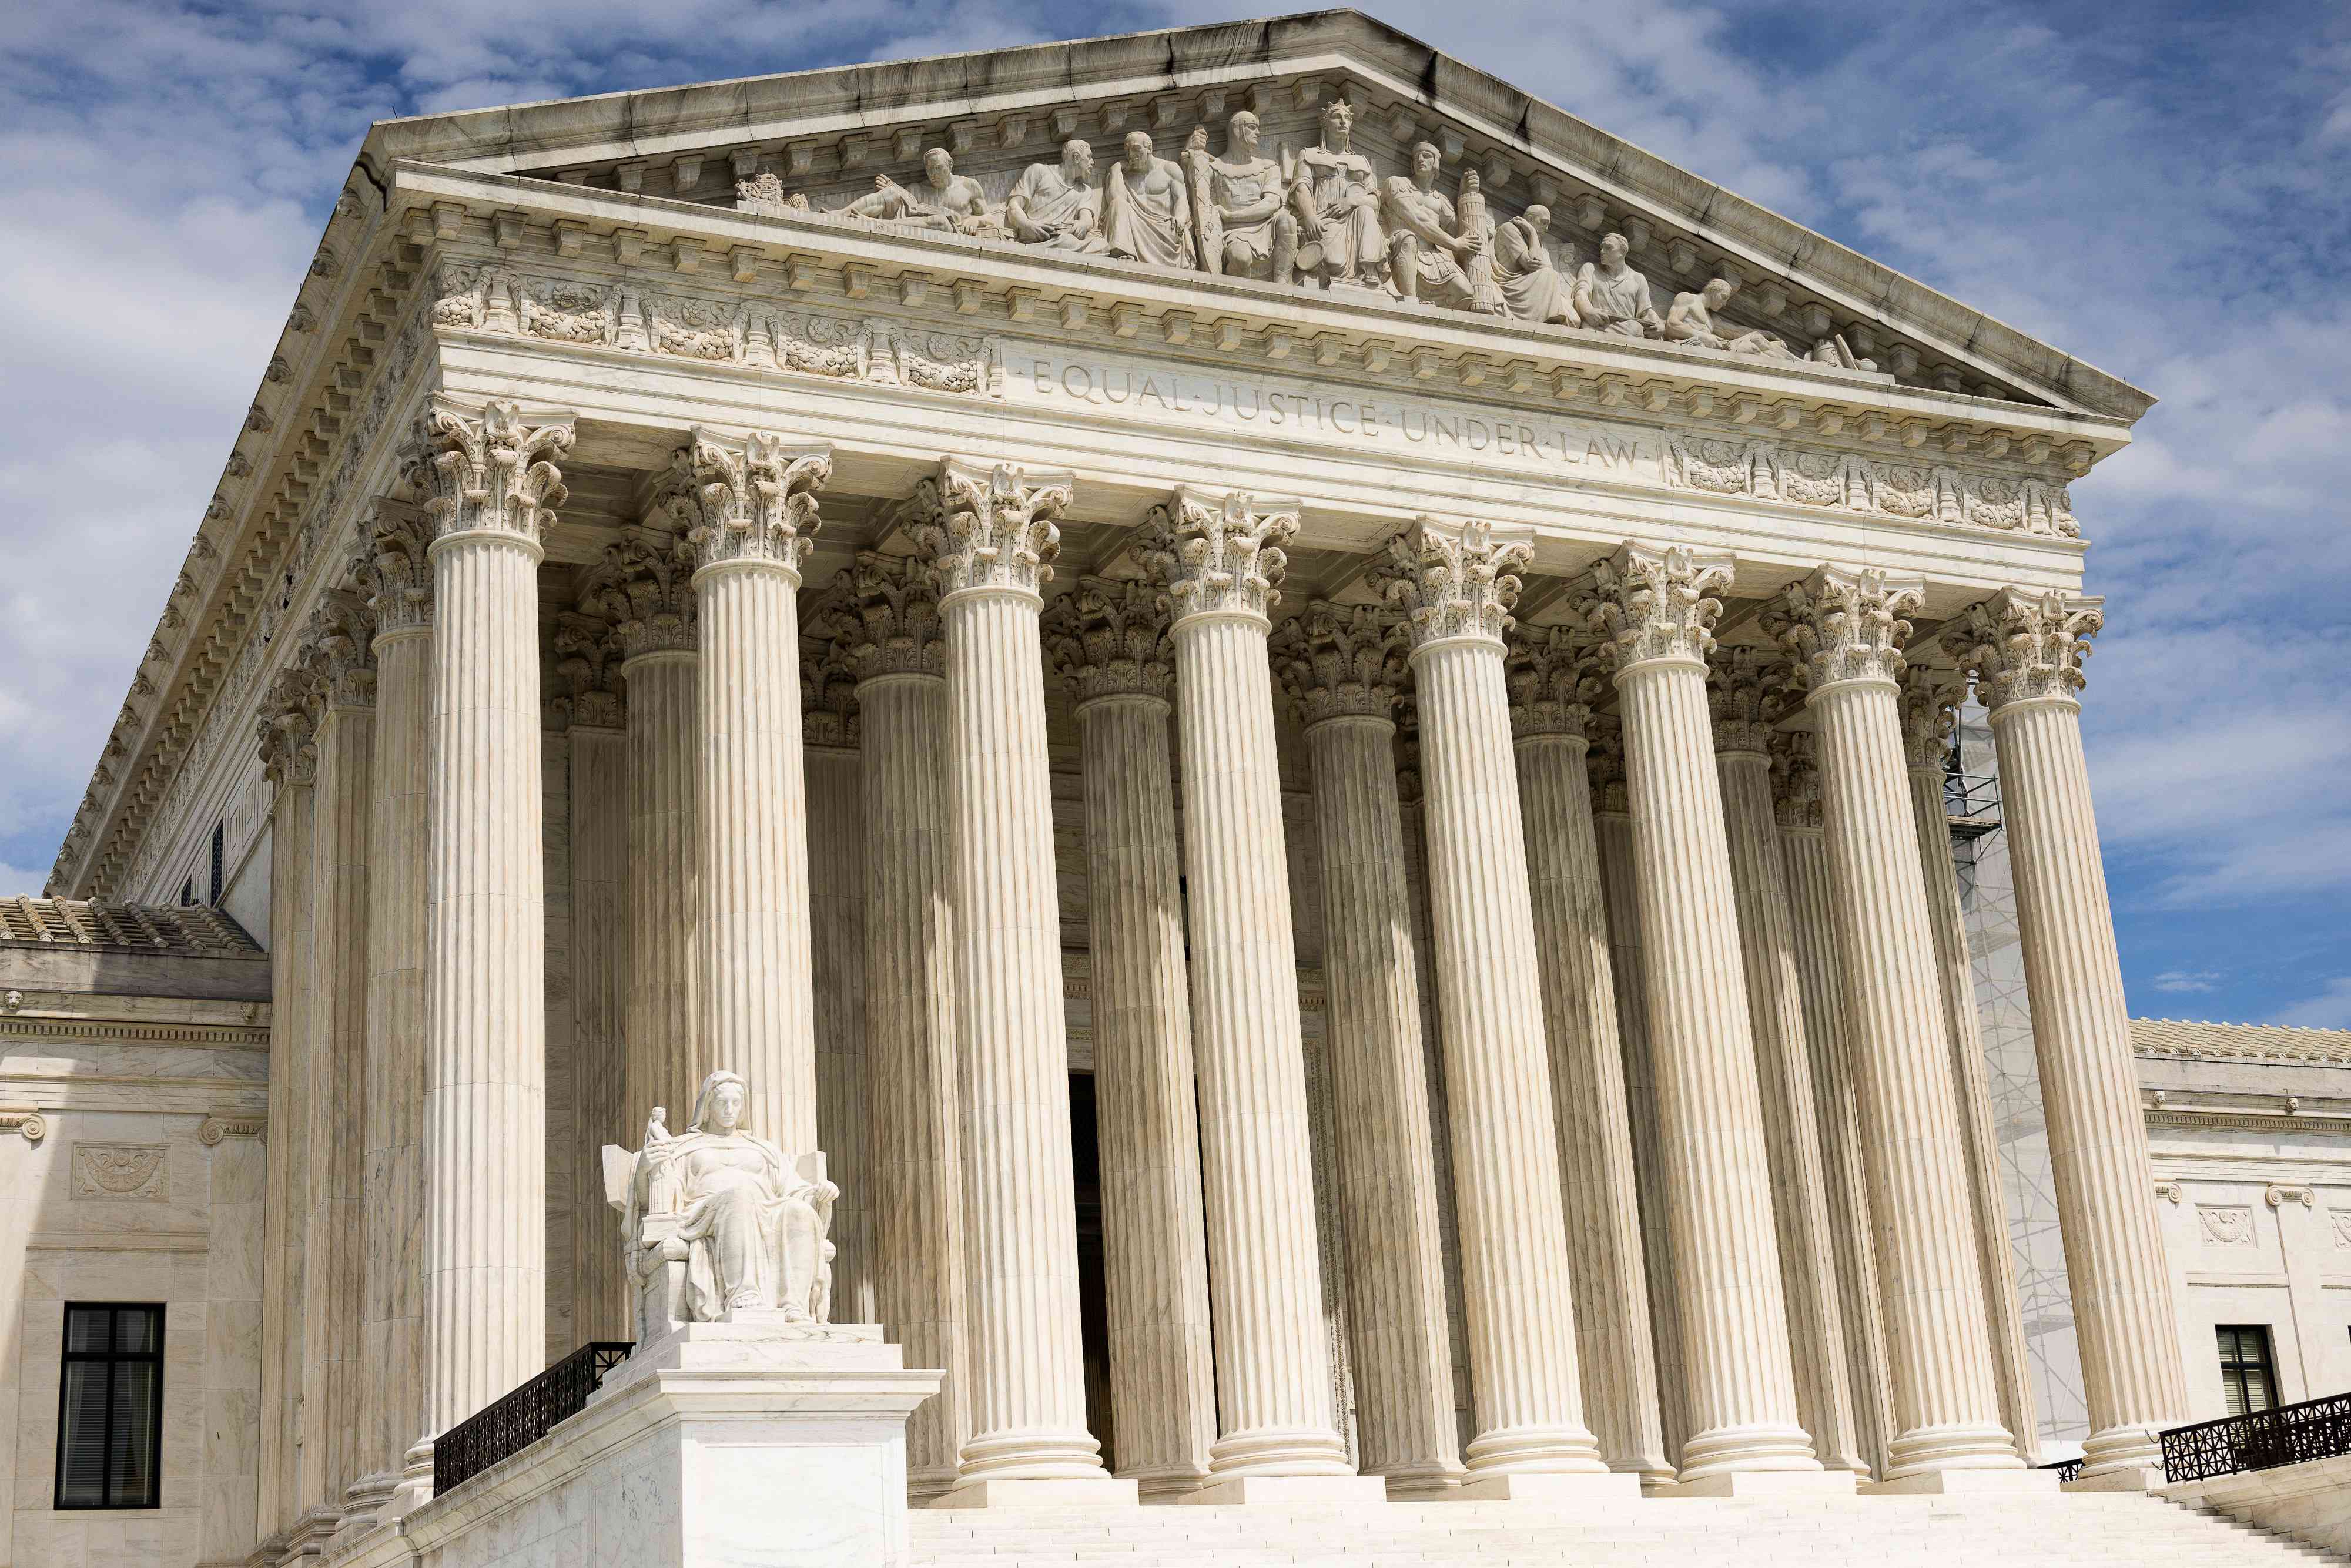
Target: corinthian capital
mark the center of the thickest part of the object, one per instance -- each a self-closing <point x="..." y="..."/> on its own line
<point x="1795" y="779"/>
<point x="1844" y="625"/>
<point x="1340" y="661"/>
<point x="1745" y="691"/>
<point x="394" y="571"/>
<point x="643" y="587"/>
<point x="1931" y="711"/>
<point x="884" y="617"/>
<point x="1220" y="552"/>
<point x="1604" y="766"/>
<point x="1655" y="604"/>
<point x="586" y="666"/>
<point x="1110" y="639"/>
<point x="340" y="644"/>
<point x="1557" y="673"/>
<point x="491" y="469"/>
<point x="1454" y="579"/>
<point x="757" y="495"/>
<point x="288" y="730"/>
<point x="2019" y="647"/>
<point x="829" y="701"/>
<point x="990" y="527"/>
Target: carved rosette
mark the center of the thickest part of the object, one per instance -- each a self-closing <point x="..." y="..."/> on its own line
<point x="2027" y="647"/>
<point x="1454" y="579"/>
<point x="1796" y="779"/>
<point x="828" y="714"/>
<point x="1557" y="673"/>
<point x="491" y="470"/>
<point x="288" y="730"/>
<point x="644" y="588"/>
<point x="585" y="665"/>
<point x="1844" y="625"/>
<point x="1604" y="765"/>
<point x="758" y="498"/>
<point x="394" y="571"/>
<point x="1219" y="551"/>
<point x="1340" y="661"/>
<point x="1930" y="712"/>
<point x="1110" y="639"/>
<point x="1744" y="689"/>
<point x="884" y="617"/>
<point x="1656" y="605"/>
<point x="990" y="529"/>
<point x="339" y="642"/>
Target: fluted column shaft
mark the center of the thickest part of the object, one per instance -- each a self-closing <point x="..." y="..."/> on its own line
<point x="915" y="1168"/>
<point x="2027" y="658"/>
<point x="484" y="1126"/>
<point x="1615" y="1345"/>
<point x="663" y="1023"/>
<point x="1405" y="1429"/>
<point x="290" y="823"/>
<point x="603" y="1303"/>
<point x="1155" y="1243"/>
<point x="1808" y="1271"/>
<point x="760" y="1011"/>
<point x="1987" y="1208"/>
<point x="836" y="847"/>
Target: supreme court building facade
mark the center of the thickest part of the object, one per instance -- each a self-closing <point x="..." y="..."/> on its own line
<point x="1311" y="750"/>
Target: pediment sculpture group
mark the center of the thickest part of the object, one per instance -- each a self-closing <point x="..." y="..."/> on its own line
<point x="1321" y="216"/>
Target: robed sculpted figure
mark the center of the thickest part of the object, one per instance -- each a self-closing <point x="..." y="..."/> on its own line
<point x="1336" y="199"/>
<point x="1691" y="321"/>
<point x="750" y="1225"/>
<point x="1146" y="212"/>
<point x="1610" y="296"/>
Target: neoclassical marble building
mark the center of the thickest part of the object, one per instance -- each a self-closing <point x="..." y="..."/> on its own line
<point x="1314" y="756"/>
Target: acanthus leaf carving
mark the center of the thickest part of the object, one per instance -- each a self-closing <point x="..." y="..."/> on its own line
<point x="396" y="571"/>
<point x="1655" y="604"/>
<point x="990" y="526"/>
<point x="1110" y="638"/>
<point x="2019" y="647"/>
<point x="1557" y="675"/>
<point x="1796" y="779"/>
<point x="586" y="663"/>
<point x="1341" y="661"/>
<point x="1930" y="712"/>
<point x="758" y="498"/>
<point x="643" y="588"/>
<point x="1745" y="691"/>
<point x="829" y="711"/>
<point x="1840" y="625"/>
<point x="492" y="469"/>
<point x="884" y="616"/>
<point x="1220" y="552"/>
<point x="1454" y="579"/>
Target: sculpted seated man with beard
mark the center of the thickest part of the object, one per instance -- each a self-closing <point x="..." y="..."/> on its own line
<point x="1146" y="214"/>
<point x="1054" y="206"/>
<point x="1691" y="321"/>
<point x="1425" y="257"/>
<point x="1610" y="296"/>
<point x="946" y="200"/>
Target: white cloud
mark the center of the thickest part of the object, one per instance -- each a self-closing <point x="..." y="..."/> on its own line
<point x="2186" y="981"/>
<point x="2330" y="1008"/>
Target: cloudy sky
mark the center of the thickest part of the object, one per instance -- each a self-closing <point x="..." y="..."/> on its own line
<point x="2162" y="188"/>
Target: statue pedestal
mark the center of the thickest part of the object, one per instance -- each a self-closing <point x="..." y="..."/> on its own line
<point x="714" y="1446"/>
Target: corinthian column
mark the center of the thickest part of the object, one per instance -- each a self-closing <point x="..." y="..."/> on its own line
<point x="1845" y="631"/>
<point x="399" y="579"/>
<point x="1658" y="609"/>
<point x="830" y="728"/>
<point x="758" y="495"/>
<point x="641" y="587"/>
<point x="1341" y="667"/>
<point x="2025" y="653"/>
<point x="1453" y="583"/>
<point x="1928" y="712"/>
<point x="338" y="639"/>
<point x="990" y="534"/>
<point x="885" y="623"/>
<point x="1108" y="641"/>
<point x="1744" y="692"/>
<point x="493" y="490"/>
<point x="1820" y="987"/>
<point x="1555" y="678"/>
<point x="1221" y="558"/>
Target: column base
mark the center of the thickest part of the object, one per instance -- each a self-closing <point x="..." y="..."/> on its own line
<point x="1764" y="1483"/>
<point x="1551" y="1486"/>
<point x="1966" y="1483"/>
<point x="1422" y="1485"/>
<point x="1166" y="1486"/>
<point x="2122" y="1477"/>
<point x="1058" y="1492"/>
<point x="1244" y="1490"/>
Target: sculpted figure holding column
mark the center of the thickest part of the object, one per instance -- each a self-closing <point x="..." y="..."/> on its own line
<point x="1611" y="296"/>
<point x="1242" y="228"/>
<point x="1425" y="255"/>
<point x="1146" y="215"/>
<point x="1334" y="196"/>
<point x="946" y="200"/>
<point x="1055" y="207"/>
<point x="1691" y="321"/>
<point x="1533" y="288"/>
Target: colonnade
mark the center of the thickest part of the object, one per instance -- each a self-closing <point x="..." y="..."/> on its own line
<point x="1720" y="1164"/>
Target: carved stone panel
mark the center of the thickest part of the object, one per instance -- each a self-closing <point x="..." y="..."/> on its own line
<point x="2225" y="1225"/>
<point x="133" y="1171"/>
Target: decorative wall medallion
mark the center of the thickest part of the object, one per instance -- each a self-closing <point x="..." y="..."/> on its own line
<point x="121" y="1171"/>
<point x="2226" y="1226"/>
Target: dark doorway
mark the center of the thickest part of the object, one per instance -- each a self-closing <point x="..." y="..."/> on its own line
<point x="1093" y="1309"/>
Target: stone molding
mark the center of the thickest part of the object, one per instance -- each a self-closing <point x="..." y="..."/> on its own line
<point x="216" y="1128"/>
<point x="1110" y="639"/>
<point x="987" y="527"/>
<point x="2024" y="647"/>
<point x="31" y="1124"/>
<point x="1841" y="625"/>
<point x="758" y="496"/>
<point x="1340" y="661"/>
<point x="1557" y="675"/>
<point x="491" y="469"/>
<point x="1744" y="689"/>
<point x="1454" y="579"/>
<point x="1655" y="604"/>
<point x="1219" y="551"/>
<point x="884" y="616"/>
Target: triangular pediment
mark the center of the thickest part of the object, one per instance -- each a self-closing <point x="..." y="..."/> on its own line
<point x="824" y="138"/>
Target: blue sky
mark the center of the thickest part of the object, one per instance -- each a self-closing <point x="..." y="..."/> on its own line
<point x="2163" y="190"/>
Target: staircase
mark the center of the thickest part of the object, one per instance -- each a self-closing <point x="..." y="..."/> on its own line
<point x="2074" y="1531"/>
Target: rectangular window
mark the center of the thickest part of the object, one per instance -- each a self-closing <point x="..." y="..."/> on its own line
<point x="110" y="1407"/>
<point x="220" y="836"/>
<point x="2248" y="1376"/>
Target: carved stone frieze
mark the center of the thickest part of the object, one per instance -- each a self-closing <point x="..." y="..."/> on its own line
<point x="1744" y="690"/>
<point x="2226" y="1224"/>
<point x="643" y="587"/>
<point x="2019" y="647"/>
<point x="1220" y="552"/>
<point x="758" y="496"/>
<point x="1767" y="470"/>
<point x="1454" y="579"/>
<point x="1656" y="604"/>
<point x="1110" y="639"/>
<point x="492" y="468"/>
<point x="884" y="616"/>
<point x="134" y="1172"/>
<point x="990" y="527"/>
<point x="1843" y="625"/>
<point x="1341" y="661"/>
<point x="1556" y="674"/>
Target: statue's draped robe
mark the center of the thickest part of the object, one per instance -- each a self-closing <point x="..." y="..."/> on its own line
<point x="1053" y="201"/>
<point x="1148" y="225"/>
<point x="753" y="1237"/>
<point x="1349" y="236"/>
<point x="1409" y="209"/>
<point x="1622" y="302"/>
<point x="1533" y="288"/>
<point x="1240" y="186"/>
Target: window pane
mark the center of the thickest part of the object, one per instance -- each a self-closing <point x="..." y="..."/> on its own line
<point x="134" y="1330"/>
<point x="81" y="1446"/>
<point x="86" y="1328"/>
<point x="134" y="1438"/>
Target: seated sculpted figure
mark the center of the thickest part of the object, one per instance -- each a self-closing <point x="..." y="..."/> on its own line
<point x="719" y="1219"/>
<point x="1055" y="207"/>
<point x="1691" y="321"/>
<point x="1333" y="194"/>
<point x="1533" y="288"/>
<point x="1244" y="230"/>
<point x="1426" y="257"/>
<point x="1610" y="296"/>
<point x="1147" y="216"/>
<point x="946" y="200"/>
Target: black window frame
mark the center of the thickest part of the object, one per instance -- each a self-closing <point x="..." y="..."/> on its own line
<point x="2234" y="1367"/>
<point x="220" y="843"/>
<point x="112" y="1357"/>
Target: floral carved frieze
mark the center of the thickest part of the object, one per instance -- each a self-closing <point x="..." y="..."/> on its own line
<point x="132" y="1171"/>
<point x="487" y="298"/>
<point x="2225" y="1225"/>
<point x="1925" y="492"/>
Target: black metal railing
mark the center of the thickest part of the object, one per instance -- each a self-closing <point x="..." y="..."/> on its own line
<point x="510" y="1424"/>
<point x="2314" y="1429"/>
<point x="2068" y="1470"/>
